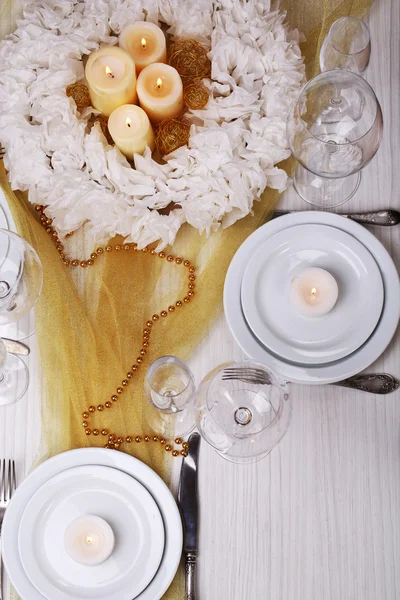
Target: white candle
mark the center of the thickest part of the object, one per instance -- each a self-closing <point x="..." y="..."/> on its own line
<point x="89" y="540"/>
<point x="145" y="42"/>
<point x="160" y="92"/>
<point x="111" y="76"/>
<point x="313" y="292"/>
<point x="130" y="128"/>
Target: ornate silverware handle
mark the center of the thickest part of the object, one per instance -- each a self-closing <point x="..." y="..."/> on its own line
<point x="375" y="383"/>
<point x="379" y="217"/>
<point x="190" y="575"/>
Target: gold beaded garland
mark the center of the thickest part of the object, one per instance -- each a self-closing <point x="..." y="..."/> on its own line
<point x="115" y="442"/>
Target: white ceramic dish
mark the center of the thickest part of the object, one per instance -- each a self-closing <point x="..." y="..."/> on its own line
<point x="94" y="456"/>
<point x="269" y="311"/>
<point x="340" y="369"/>
<point x="124" y="503"/>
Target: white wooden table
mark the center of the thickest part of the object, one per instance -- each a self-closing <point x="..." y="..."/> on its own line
<point x="319" y="518"/>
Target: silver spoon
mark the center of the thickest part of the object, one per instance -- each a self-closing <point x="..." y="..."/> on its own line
<point x="385" y="218"/>
<point x="375" y="383"/>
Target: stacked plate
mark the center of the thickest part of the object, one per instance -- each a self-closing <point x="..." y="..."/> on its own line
<point x="268" y="325"/>
<point x="112" y="486"/>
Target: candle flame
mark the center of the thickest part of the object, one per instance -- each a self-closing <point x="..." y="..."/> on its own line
<point x="109" y="72"/>
<point x="89" y="540"/>
<point x="128" y="121"/>
<point x="159" y="84"/>
<point x="314" y="292"/>
<point x="144" y="43"/>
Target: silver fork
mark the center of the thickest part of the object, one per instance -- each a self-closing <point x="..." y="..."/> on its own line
<point x="247" y="375"/>
<point x="8" y="484"/>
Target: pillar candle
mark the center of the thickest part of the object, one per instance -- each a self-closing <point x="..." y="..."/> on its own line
<point x="145" y="42"/>
<point x="160" y="92"/>
<point x="111" y="76"/>
<point x="130" y="128"/>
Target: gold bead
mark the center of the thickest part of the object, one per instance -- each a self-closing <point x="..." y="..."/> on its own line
<point x="186" y="263"/>
<point x="146" y="331"/>
<point x="100" y="407"/>
<point x="93" y="256"/>
<point x="178" y="441"/>
<point x="191" y="286"/>
<point x="183" y="453"/>
<point x="74" y="262"/>
<point x="95" y="432"/>
<point x="145" y="249"/>
<point x="85" y="424"/>
<point x="117" y="446"/>
<point x="192" y="277"/>
<point x="99" y="250"/>
<point x="186" y="299"/>
<point x="53" y="233"/>
<point x="119" y="390"/>
<point x="149" y="324"/>
<point x="185" y="446"/>
<point x="178" y="261"/>
<point x="190" y="294"/>
<point x="90" y="262"/>
<point x="170" y="258"/>
<point x="171" y="308"/>
<point x="178" y="303"/>
<point x="111" y="437"/>
<point x="85" y="415"/>
<point x="162" y="441"/>
<point x="127" y="247"/>
<point x="145" y="344"/>
<point x="168" y="447"/>
<point x="92" y="409"/>
<point x="134" y="367"/>
<point x="124" y="382"/>
<point x="104" y="432"/>
<point x="175" y="453"/>
<point x="57" y="241"/>
<point x="146" y="438"/>
<point x="62" y="255"/>
<point x="88" y="432"/>
<point x="108" y="248"/>
<point x="161" y="254"/>
<point x="191" y="269"/>
<point x="60" y="247"/>
<point x="164" y="313"/>
<point x="138" y="439"/>
<point x="139" y="359"/>
<point x="66" y="262"/>
<point x="129" y="375"/>
<point x="117" y="247"/>
<point x="38" y="207"/>
<point x="83" y="264"/>
<point x="153" y="252"/>
<point x="155" y="438"/>
<point x="119" y="440"/>
<point x="143" y="352"/>
<point x="107" y="404"/>
<point x="114" y="397"/>
<point x="129" y="439"/>
<point x="155" y="317"/>
<point x="49" y="229"/>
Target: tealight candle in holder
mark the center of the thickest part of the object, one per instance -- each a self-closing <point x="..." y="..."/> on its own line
<point x="145" y="42"/>
<point x="89" y="540"/>
<point x="130" y="128"/>
<point x="313" y="292"/>
<point x="111" y="76"/>
<point x="160" y="92"/>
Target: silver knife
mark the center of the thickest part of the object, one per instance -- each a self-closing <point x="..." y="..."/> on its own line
<point x="386" y="218"/>
<point x="188" y="504"/>
<point x="14" y="347"/>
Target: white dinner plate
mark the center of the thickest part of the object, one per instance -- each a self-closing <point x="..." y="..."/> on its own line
<point x="267" y="304"/>
<point x="94" y="456"/>
<point x="124" y="503"/>
<point x="318" y="374"/>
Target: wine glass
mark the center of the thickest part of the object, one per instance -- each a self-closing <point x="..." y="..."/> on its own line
<point x="334" y="129"/>
<point x="170" y="388"/>
<point x="14" y="377"/>
<point x="347" y="46"/>
<point x="243" y="410"/>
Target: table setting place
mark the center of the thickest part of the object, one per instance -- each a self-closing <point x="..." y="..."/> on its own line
<point x="144" y="149"/>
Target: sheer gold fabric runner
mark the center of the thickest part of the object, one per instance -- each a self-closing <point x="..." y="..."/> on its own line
<point x="89" y="323"/>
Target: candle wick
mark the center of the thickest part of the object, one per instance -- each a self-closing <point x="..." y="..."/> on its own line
<point x="314" y="292"/>
<point x="159" y="84"/>
<point x="144" y="43"/>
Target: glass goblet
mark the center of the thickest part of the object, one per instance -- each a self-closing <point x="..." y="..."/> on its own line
<point x="334" y="129"/>
<point x="347" y="46"/>
<point x="14" y="377"/>
<point x="243" y="410"/>
<point x="170" y="388"/>
<point x="21" y="279"/>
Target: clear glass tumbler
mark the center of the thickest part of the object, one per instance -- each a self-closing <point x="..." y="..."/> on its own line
<point x="347" y="46"/>
<point x="243" y="410"/>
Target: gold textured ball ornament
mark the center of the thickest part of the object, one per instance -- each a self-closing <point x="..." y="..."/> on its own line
<point x="190" y="59"/>
<point x="195" y="96"/>
<point x="80" y="95"/>
<point x="172" y="134"/>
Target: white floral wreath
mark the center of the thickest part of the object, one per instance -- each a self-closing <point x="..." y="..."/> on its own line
<point x="235" y="142"/>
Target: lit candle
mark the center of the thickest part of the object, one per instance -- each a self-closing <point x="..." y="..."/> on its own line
<point x="130" y="128"/>
<point x="313" y="292"/>
<point x="111" y="76"/>
<point x="145" y="42"/>
<point x="89" y="540"/>
<point x="160" y="92"/>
